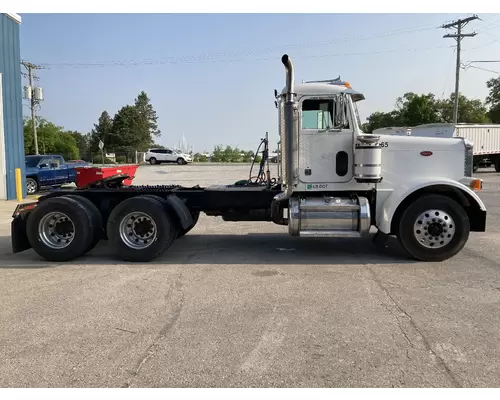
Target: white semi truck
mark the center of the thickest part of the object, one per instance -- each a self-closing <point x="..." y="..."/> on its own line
<point x="485" y="138"/>
<point x="333" y="181"/>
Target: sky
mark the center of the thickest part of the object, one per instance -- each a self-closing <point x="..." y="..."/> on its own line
<point x="211" y="77"/>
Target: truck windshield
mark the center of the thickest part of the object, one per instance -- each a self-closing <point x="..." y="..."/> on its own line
<point x="32" y="162"/>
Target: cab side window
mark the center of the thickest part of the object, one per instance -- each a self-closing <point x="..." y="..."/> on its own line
<point x="317" y="114"/>
<point x="44" y="163"/>
<point x="323" y="115"/>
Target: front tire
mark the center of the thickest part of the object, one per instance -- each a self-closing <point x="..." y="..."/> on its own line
<point x="181" y="161"/>
<point x="140" y="229"/>
<point x="434" y="228"/>
<point x="31" y="186"/>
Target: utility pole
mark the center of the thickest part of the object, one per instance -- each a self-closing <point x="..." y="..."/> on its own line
<point x="34" y="95"/>
<point x="459" y="24"/>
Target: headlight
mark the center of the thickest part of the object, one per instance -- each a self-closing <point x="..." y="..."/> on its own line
<point x="469" y="158"/>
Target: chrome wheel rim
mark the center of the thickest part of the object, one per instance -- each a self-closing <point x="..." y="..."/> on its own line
<point x="138" y="230"/>
<point x="56" y="230"/>
<point x="434" y="229"/>
<point x="31" y="186"/>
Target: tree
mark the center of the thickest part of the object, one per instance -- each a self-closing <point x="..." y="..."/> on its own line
<point x="83" y="144"/>
<point x="52" y="139"/>
<point x="493" y="99"/>
<point x="126" y="133"/>
<point x="147" y="119"/>
<point x="102" y="131"/>
<point x="218" y="154"/>
<point x="471" y="111"/>
<point x="381" y="120"/>
<point x="414" y="109"/>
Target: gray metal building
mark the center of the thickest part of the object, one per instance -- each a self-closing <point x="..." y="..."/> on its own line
<point x="11" y="108"/>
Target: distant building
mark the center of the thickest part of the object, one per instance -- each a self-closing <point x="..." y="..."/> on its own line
<point x="11" y="107"/>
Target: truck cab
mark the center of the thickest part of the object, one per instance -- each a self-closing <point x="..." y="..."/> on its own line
<point x="338" y="181"/>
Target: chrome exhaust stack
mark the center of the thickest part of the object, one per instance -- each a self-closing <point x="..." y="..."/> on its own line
<point x="289" y="132"/>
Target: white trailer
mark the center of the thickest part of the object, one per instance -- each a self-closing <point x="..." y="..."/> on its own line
<point x="485" y="138"/>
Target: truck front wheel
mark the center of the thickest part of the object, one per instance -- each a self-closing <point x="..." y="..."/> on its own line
<point x="139" y="229"/>
<point x="434" y="228"/>
<point x="31" y="186"/>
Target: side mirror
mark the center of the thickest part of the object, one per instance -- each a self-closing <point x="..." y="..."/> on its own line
<point x="340" y="111"/>
<point x="43" y="165"/>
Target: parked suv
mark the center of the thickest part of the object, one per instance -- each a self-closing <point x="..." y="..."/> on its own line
<point x="158" y="156"/>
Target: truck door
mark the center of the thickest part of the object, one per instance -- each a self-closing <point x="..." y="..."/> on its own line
<point x="325" y="145"/>
<point x="169" y="155"/>
<point x="60" y="170"/>
<point x="46" y="175"/>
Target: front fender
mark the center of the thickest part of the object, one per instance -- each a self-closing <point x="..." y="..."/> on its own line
<point x="386" y="213"/>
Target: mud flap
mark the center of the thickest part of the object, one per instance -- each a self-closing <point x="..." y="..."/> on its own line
<point x="18" y="235"/>
<point x="182" y="212"/>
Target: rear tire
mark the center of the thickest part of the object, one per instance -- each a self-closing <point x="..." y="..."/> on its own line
<point x="434" y="228"/>
<point x="140" y="229"/>
<point x="497" y="164"/>
<point x="152" y="161"/>
<point x="96" y="219"/>
<point x="60" y="229"/>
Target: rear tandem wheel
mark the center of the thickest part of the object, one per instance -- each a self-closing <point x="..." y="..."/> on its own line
<point x="60" y="229"/>
<point x="140" y="229"/>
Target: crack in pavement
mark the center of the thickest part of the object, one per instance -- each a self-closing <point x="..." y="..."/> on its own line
<point x="437" y="359"/>
<point x="400" y="327"/>
<point x="173" y="313"/>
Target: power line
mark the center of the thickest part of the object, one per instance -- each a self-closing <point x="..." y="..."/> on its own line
<point x="163" y="62"/>
<point x="211" y="56"/>
<point x="483" y="69"/>
<point x="459" y="24"/>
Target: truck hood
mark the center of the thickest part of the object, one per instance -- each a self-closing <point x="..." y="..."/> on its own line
<point x="405" y="156"/>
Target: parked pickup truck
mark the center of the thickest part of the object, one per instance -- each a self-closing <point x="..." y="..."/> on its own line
<point x="48" y="171"/>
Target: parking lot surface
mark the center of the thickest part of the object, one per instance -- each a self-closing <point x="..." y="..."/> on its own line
<point x="244" y="304"/>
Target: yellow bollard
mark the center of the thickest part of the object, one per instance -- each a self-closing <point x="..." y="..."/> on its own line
<point x="19" y="185"/>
